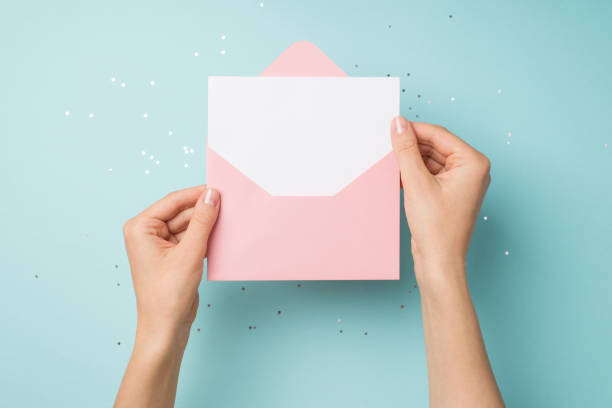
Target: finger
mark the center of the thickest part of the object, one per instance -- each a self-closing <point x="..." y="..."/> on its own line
<point x="169" y="206"/>
<point x="428" y="151"/>
<point x="433" y="166"/>
<point x="179" y="236"/>
<point x="406" y="148"/>
<point x="140" y="226"/>
<point x="181" y="221"/>
<point x="195" y="240"/>
<point x="434" y="160"/>
<point x="440" y="139"/>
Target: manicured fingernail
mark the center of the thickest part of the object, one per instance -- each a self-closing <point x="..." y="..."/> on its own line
<point x="400" y="124"/>
<point x="211" y="197"/>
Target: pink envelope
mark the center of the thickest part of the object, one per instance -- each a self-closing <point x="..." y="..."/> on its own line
<point x="352" y="235"/>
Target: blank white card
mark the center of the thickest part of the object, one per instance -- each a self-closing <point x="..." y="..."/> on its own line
<point x="301" y="136"/>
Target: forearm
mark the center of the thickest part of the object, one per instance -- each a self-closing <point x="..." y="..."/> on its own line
<point x="458" y="367"/>
<point x="152" y="374"/>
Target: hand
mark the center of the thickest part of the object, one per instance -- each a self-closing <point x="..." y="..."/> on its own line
<point x="444" y="181"/>
<point x="166" y="245"/>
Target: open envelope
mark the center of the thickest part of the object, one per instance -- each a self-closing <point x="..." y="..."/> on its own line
<point x="305" y="206"/>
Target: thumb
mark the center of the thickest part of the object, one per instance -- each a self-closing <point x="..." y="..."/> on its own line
<point x="405" y="144"/>
<point x="195" y="241"/>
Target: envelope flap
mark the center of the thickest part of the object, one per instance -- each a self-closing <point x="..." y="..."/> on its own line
<point x="303" y="58"/>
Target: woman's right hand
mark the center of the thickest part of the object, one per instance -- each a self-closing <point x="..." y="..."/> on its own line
<point x="444" y="181"/>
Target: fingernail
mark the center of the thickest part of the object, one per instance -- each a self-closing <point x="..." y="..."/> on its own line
<point x="400" y="124"/>
<point x="211" y="197"/>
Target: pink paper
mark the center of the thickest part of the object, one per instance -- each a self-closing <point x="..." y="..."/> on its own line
<point x="353" y="235"/>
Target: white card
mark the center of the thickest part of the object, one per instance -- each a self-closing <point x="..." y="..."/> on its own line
<point x="301" y="136"/>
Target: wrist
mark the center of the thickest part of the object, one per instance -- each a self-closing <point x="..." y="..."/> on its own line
<point x="160" y="342"/>
<point x="440" y="275"/>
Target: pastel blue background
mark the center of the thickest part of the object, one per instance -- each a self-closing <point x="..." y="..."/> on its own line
<point x="544" y="308"/>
